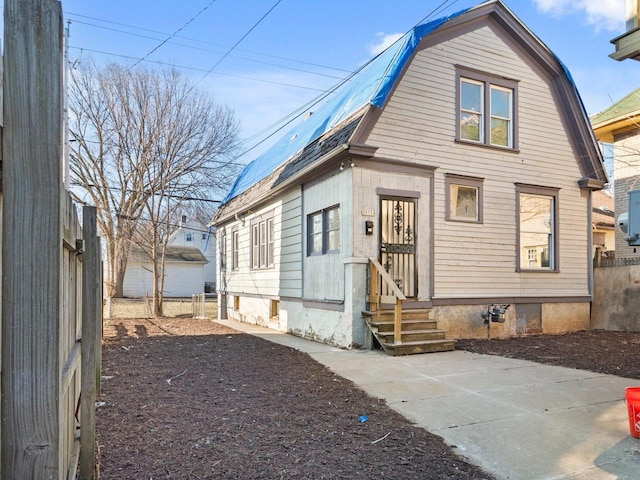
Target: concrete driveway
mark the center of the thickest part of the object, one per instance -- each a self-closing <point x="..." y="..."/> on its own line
<point x="514" y="418"/>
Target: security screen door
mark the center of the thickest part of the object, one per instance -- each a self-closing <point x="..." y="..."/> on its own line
<point x="398" y="243"/>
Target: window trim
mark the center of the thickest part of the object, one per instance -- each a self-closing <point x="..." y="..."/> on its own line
<point x="223" y="250"/>
<point x="324" y="232"/>
<point x="488" y="80"/>
<point x="235" y="249"/>
<point x="464" y="181"/>
<point x="554" y="256"/>
<point x="260" y="239"/>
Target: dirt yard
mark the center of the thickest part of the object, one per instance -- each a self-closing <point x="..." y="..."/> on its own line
<point x="613" y="353"/>
<point x="191" y="399"/>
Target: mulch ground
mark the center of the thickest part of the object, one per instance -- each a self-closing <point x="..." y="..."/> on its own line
<point x="191" y="399"/>
<point x="613" y="353"/>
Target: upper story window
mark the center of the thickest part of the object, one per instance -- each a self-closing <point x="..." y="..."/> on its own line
<point x="323" y="231"/>
<point x="486" y="109"/>
<point x="189" y="237"/>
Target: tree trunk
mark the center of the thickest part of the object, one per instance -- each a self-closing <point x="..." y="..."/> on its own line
<point x="158" y="284"/>
<point x="120" y="269"/>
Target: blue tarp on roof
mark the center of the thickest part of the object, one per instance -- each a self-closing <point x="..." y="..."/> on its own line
<point x="370" y="86"/>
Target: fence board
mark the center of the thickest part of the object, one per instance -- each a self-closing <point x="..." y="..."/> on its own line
<point x="43" y="272"/>
<point x="91" y="335"/>
<point x="32" y="253"/>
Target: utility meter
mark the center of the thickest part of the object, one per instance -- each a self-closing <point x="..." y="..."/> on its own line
<point x="633" y="219"/>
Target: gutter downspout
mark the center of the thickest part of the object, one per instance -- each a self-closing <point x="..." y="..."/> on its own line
<point x="590" y="242"/>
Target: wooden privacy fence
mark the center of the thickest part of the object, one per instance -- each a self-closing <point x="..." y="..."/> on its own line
<point x="51" y="281"/>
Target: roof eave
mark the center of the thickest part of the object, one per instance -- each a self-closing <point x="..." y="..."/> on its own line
<point x="318" y="167"/>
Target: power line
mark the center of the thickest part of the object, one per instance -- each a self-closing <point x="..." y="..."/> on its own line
<point x="238" y="43"/>
<point x="173" y="34"/>
<point x="167" y="64"/>
<point x="126" y="190"/>
<point x="292" y="116"/>
<point x="206" y="50"/>
<point x="303" y="62"/>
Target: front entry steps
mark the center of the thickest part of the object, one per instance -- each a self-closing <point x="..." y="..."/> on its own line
<point x="419" y="333"/>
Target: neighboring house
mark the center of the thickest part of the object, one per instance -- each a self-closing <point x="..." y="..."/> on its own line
<point x="619" y="125"/>
<point x="184" y="270"/>
<point x="194" y="233"/>
<point x="604" y="223"/>
<point x="460" y="162"/>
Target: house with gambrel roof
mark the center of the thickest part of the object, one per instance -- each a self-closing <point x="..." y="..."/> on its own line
<point x="448" y="180"/>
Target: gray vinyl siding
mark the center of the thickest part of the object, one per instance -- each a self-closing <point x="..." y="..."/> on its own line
<point x="324" y="274"/>
<point x="418" y="124"/>
<point x="285" y="277"/>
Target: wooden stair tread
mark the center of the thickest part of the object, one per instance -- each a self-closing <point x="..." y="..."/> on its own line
<point x="433" y="332"/>
<point x="419" y="333"/>
<point x="369" y="313"/>
<point x="420" y="342"/>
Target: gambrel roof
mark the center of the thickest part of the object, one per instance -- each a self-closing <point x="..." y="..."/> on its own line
<point x="357" y="102"/>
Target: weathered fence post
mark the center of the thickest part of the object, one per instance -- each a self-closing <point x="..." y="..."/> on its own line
<point x="91" y="335"/>
<point x="32" y="254"/>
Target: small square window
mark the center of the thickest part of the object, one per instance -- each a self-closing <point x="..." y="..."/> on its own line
<point x="464" y="199"/>
<point x="274" y="311"/>
<point x="189" y="237"/>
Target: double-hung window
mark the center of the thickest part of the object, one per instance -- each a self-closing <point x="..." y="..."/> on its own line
<point x="323" y="231"/>
<point x="537" y="228"/>
<point x="235" y="249"/>
<point x="486" y="109"/>
<point x="262" y="243"/>
<point x="223" y="250"/>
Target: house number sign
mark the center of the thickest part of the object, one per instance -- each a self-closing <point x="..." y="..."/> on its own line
<point x="368" y="213"/>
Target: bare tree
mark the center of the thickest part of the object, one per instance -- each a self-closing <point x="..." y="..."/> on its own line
<point x="143" y="142"/>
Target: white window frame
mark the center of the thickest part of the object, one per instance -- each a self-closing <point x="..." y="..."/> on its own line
<point x="489" y="83"/>
<point x="262" y="242"/>
<point x="235" y="249"/>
